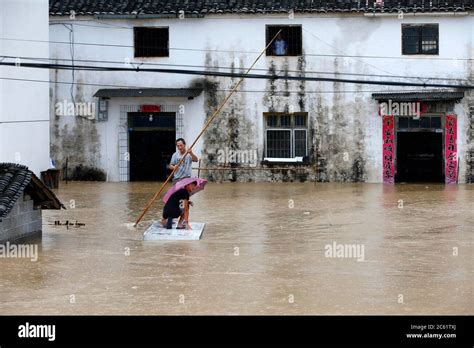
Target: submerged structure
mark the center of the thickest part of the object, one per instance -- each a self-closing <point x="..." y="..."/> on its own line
<point x="124" y="124"/>
<point x="23" y="196"/>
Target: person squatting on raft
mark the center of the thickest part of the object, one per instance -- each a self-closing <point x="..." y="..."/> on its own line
<point x="178" y="206"/>
<point x="185" y="169"/>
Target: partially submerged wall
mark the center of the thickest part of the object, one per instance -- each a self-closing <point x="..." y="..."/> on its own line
<point x="22" y="222"/>
<point x="344" y="131"/>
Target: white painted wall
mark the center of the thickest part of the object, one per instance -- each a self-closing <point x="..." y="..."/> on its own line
<point x="196" y="42"/>
<point x="193" y="117"/>
<point x="24" y="105"/>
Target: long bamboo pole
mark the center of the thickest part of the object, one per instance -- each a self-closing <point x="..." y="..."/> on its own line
<point x="208" y="122"/>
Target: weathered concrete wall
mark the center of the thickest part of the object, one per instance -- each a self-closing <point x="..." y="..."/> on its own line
<point x="23" y="222"/>
<point x="469" y="153"/>
<point x="345" y="131"/>
<point x="24" y="104"/>
<point x="107" y="155"/>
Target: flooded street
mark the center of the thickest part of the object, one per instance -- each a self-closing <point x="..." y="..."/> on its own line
<point x="263" y="251"/>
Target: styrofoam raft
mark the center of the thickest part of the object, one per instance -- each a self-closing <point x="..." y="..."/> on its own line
<point x="157" y="232"/>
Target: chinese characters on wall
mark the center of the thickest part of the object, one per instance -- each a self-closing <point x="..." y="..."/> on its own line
<point x="451" y="169"/>
<point x="388" y="150"/>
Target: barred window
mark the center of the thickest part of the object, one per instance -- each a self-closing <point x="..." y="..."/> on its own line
<point x="286" y="135"/>
<point x="151" y="42"/>
<point x="300" y="142"/>
<point x="405" y="123"/>
<point x="279" y="143"/>
<point x="287" y="43"/>
<point x="420" y="39"/>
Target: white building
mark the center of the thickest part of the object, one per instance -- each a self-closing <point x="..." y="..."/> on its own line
<point x="24" y="92"/>
<point x="314" y="130"/>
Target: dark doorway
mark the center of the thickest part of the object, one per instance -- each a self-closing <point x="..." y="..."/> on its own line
<point x="152" y="143"/>
<point x="419" y="157"/>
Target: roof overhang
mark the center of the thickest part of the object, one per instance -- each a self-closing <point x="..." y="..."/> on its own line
<point x="420" y="96"/>
<point x="148" y="92"/>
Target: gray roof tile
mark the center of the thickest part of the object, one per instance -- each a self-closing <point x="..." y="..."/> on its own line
<point x="148" y="92"/>
<point x="420" y="96"/>
<point x="15" y="179"/>
<point x="203" y="7"/>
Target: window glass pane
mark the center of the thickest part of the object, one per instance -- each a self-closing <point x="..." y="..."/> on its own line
<point x="300" y="143"/>
<point x="410" y="40"/>
<point x="429" y="31"/>
<point x="435" y="122"/>
<point x="411" y="49"/>
<point x="294" y="40"/>
<point x="272" y="121"/>
<point x="413" y="123"/>
<point x="151" y="42"/>
<point x="429" y="46"/>
<point x="410" y="44"/>
<point x="429" y="40"/>
<point x="300" y="120"/>
<point x="278" y="143"/>
<point x="403" y="122"/>
<point x="420" y="39"/>
<point x="410" y="31"/>
<point x="425" y="122"/>
<point x="285" y="120"/>
<point x="288" y="43"/>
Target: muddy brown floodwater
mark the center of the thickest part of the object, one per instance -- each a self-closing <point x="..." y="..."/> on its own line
<point x="263" y="251"/>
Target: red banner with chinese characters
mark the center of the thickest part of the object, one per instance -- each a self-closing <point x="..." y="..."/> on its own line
<point x="451" y="150"/>
<point x="150" y="108"/>
<point x="388" y="150"/>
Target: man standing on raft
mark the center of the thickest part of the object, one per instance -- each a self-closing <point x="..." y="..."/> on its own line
<point x="185" y="170"/>
<point x="178" y="204"/>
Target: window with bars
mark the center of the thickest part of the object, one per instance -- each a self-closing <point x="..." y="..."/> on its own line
<point x="420" y="39"/>
<point x="424" y="122"/>
<point x="151" y="42"/>
<point x="286" y="135"/>
<point x="287" y="43"/>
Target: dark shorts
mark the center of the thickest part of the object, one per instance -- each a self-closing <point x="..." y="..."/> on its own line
<point x="171" y="213"/>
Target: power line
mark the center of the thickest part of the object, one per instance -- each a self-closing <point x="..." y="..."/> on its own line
<point x="219" y="90"/>
<point x="336" y="50"/>
<point x="237" y="51"/>
<point x="230" y="68"/>
<point x="24" y="121"/>
<point x="237" y="75"/>
<point x="356" y="58"/>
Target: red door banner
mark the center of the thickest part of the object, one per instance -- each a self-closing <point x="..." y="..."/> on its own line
<point x="150" y="108"/>
<point x="388" y="150"/>
<point x="451" y="150"/>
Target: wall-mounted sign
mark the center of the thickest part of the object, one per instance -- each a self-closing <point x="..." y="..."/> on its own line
<point x="150" y="108"/>
<point x="388" y="137"/>
<point x="451" y="150"/>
